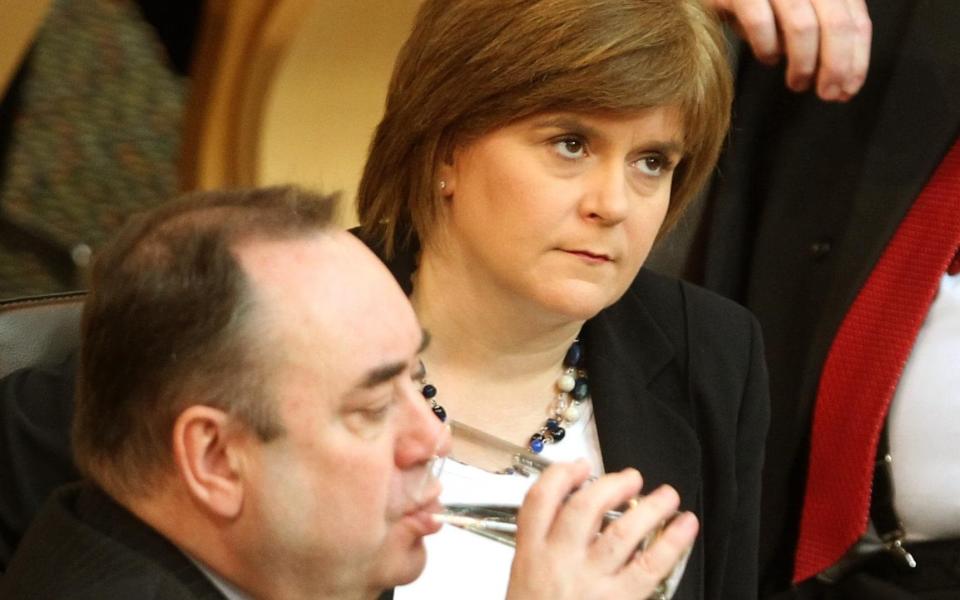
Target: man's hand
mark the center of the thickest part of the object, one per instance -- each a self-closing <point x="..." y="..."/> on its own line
<point x="825" y="41"/>
<point x="561" y="553"/>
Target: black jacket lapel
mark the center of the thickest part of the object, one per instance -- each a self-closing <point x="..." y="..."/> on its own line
<point x="637" y="426"/>
<point x="643" y="411"/>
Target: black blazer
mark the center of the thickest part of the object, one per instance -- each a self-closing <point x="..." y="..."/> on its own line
<point x="36" y="407"/>
<point x="83" y="545"/>
<point x="809" y="194"/>
<point x="679" y="390"/>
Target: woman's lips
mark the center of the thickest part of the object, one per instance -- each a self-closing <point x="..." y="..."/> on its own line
<point x="590" y="257"/>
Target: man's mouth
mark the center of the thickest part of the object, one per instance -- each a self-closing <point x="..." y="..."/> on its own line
<point x="421" y="516"/>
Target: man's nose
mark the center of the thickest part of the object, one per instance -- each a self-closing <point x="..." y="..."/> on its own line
<point x="423" y="435"/>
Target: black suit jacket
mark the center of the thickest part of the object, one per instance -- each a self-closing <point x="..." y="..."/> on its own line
<point x="36" y="406"/>
<point x="83" y="545"/>
<point x="679" y="390"/>
<point x="809" y="194"/>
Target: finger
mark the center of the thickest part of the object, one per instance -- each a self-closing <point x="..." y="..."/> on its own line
<point x="621" y="539"/>
<point x="801" y="39"/>
<point x="653" y="565"/>
<point x="861" y="47"/>
<point x="546" y="496"/>
<point x="756" y="23"/>
<point x="579" y="520"/>
<point x="838" y="35"/>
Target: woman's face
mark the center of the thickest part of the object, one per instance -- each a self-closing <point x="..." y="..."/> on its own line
<point x="561" y="209"/>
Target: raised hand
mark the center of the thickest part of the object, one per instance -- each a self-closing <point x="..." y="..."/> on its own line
<point x="826" y="42"/>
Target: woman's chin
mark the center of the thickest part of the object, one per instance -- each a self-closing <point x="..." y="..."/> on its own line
<point x="578" y="301"/>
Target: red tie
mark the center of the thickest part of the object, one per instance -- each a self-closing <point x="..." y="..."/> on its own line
<point x="863" y="366"/>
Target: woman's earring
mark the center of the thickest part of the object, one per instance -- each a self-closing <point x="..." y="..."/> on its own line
<point x="443" y="184"/>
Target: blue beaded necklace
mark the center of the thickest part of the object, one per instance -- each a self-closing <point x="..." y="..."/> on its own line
<point x="571" y="390"/>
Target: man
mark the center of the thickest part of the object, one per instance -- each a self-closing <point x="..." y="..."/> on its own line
<point x="809" y="200"/>
<point x="249" y="427"/>
<point x="246" y="415"/>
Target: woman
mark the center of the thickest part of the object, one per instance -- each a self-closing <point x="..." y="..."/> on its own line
<point x="530" y="154"/>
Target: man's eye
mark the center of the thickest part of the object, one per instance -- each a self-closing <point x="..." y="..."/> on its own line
<point x="419" y="372"/>
<point x="570" y="147"/>
<point x="377" y="414"/>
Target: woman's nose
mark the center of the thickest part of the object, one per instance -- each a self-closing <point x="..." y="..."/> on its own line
<point x="606" y="199"/>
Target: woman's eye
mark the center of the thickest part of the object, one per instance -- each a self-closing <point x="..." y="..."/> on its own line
<point x="570" y="147"/>
<point x="653" y="165"/>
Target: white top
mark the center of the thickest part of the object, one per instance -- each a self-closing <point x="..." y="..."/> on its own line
<point x="924" y="424"/>
<point x="465" y="565"/>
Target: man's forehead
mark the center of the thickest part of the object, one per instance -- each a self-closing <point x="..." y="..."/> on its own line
<point x="264" y="258"/>
<point x="328" y="266"/>
<point x="329" y="285"/>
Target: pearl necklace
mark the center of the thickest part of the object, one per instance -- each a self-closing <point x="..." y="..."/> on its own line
<point x="571" y="389"/>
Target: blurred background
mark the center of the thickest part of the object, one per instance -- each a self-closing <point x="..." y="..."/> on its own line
<point x="111" y="106"/>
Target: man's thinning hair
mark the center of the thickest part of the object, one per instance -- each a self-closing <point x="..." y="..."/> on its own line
<point x="167" y="325"/>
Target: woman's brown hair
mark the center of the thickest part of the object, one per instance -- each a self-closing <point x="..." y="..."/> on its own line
<point x="471" y="66"/>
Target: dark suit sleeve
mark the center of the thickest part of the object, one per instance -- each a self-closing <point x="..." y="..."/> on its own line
<point x="740" y="580"/>
<point x="36" y="407"/>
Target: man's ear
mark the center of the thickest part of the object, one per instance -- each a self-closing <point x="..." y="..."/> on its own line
<point x="207" y="452"/>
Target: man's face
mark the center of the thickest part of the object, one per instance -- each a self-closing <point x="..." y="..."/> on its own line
<point x="338" y="498"/>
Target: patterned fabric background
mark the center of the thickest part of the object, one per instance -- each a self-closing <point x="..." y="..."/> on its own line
<point x="93" y="133"/>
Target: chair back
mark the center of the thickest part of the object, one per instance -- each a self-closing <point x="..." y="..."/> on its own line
<point x="39" y="330"/>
